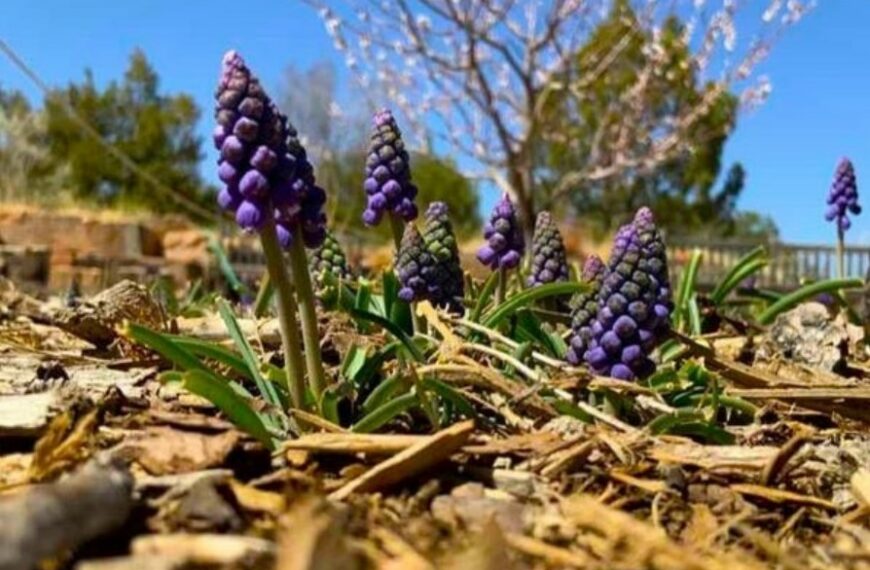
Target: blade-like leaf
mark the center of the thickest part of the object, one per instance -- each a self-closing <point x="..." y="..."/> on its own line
<point x="391" y="328"/>
<point x="749" y="264"/>
<point x="450" y="394"/>
<point x="383" y="392"/>
<point x="216" y="352"/>
<point x="164" y="346"/>
<point x="267" y="389"/>
<point x="237" y="409"/>
<point x="484" y="297"/>
<point x="385" y="413"/>
<point x="226" y="268"/>
<point x="805" y="293"/>
<point x="688" y="282"/>
<point x="523" y="299"/>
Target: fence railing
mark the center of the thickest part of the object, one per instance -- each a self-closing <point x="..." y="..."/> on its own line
<point x="789" y="264"/>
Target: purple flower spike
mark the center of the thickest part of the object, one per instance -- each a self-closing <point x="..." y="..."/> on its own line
<point x="843" y="197"/>
<point x="388" y="183"/>
<point x="549" y="263"/>
<point x="633" y="304"/>
<point x="263" y="165"/>
<point x="505" y="244"/>
<point x="447" y="288"/>
<point x="415" y="266"/>
<point x="585" y="308"/>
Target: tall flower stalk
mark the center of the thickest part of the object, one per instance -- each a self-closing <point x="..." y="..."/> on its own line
<point x="269" y="186"/>
<point x="505" y="244"/>
<point x="842" y="201"/>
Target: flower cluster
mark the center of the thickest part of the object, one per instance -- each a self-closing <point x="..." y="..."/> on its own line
<point x="265" y="171"/>
<point x="633" y="303"/>
<point x="415" y="266"/>
<point x="585" y="308"/>
<point x="329" y="259"/>
<point x="549" y="263"/>
<point x="843" y="197"/>
<point x="448" y="287"/>
<point x="504" y="236"/>
<point x="388" y="183"/>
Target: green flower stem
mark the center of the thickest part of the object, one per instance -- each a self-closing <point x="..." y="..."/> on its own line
<point x="307" y="314"/>
<point x="398" y="228"/>
<point x="286" y="305"/>
<point x="841" y="253"/>
<point x="418" y="321"/>
<point x="501" y="290"/>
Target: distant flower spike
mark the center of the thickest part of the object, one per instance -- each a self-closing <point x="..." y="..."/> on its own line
<point x="328" y="259"/>
<point x="843" y="197"/>
<point x="388" y="183"/>
<point x="585" y="309"/>
<point x="264" y="169"/>
<point x="549" y="263"/>
<point x="633" y="303"/>
<point x="504" y="236"/>
<point x="415" y="266"/>
<point x="449" y="287"/>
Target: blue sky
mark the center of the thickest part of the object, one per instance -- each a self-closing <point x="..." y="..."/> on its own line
<point x="818" y="110"/>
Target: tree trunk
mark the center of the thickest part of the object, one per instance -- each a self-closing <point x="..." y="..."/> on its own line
<point x="521" y="182"/>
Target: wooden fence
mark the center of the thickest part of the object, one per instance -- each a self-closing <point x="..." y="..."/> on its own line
<point x="789" y="264"/>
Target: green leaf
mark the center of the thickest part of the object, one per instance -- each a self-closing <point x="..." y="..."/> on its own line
<point x="267" y="389"/>
<point x="749" y="264"/>
<point x="450" y="394"/>
<point x="484" y="297"/>
<point x="164" y="346"/>
<point x="226" y="268"/>
<point x="212" y="351"/>
<point x="391" y="328"/>
<point x="805" y="293"/>
<point x="354" y="361"/>
<point x="694" y="314"/>
<point x="567" y="408"/>
<point x="390" y="285"/>
<point x="530" y="327"/>
<point x="688" y="282"/>
<point x="264" y="296"/>
<point x="383" y="392"/>
<point x="237" y="409"/>
<point x="385" y="413"/>
<point x="690" y="423"/>
<point x="524" y="298"/>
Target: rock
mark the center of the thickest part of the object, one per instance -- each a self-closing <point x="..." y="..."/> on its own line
<point x="97" y="319"/>
<point x="470" y="506"/>
<point x="807" y="335"/>
<point x="201" y="509"/>
<point x="26" y="415"/>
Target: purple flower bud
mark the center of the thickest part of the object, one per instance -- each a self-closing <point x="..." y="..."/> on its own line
<point x="414" y="263"/>
<point x="843" y="196"/>
<point x="250" y="215"/>
<point x="505" y="243"/>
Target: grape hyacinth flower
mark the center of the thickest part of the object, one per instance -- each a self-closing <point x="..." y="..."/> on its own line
<point x="633" y="303"/>
<point x="269" y="185"/>
<point x="415" y="266"/>
<point x="842" y="201"/>
<point x="329" y="259"/>
<point x="549" y="263"/>
<point x="505" y="244"/>
<point x="843" y="197"/>
<point x="265" y="171"/>
<point x="585" y="309"/>
<point x="449" y="286"/>
<point x="388" y="186"/>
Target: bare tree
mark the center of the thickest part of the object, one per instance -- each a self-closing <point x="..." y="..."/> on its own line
<point x="478" y="74"/>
